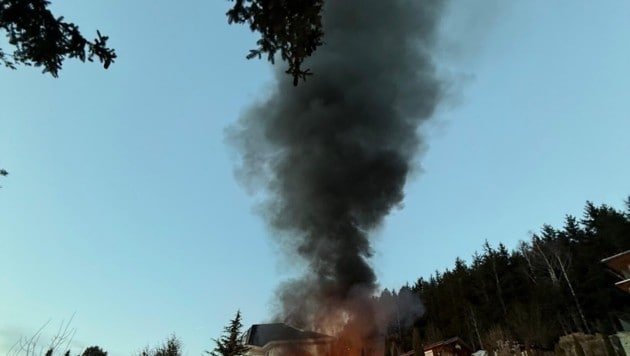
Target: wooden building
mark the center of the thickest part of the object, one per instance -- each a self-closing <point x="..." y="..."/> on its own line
<point x="620" y="265"/>
<point x="450" y="347"/>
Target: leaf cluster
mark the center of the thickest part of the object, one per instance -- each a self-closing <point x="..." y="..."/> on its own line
<point x="42" y="40"/>
<point x="291" y="27"/>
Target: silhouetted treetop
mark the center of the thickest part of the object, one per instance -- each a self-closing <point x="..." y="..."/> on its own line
<point x="172" y="347"/>
<point x="292" y="27"/>
<point x="230" y="343"/>
<point x="42" y="40"/>
<point x="94" y="351"/>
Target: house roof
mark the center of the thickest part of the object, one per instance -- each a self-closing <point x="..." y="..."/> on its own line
<point x="441" y="343"/>
<point x="620" y="263"/>
<point x="262" y="334"/>
<point x="452" y="340"/>
<point x="624" y="285"/>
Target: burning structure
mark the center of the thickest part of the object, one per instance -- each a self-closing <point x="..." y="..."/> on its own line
<point x="333" y="155"/>
<point x="282" y="339"/>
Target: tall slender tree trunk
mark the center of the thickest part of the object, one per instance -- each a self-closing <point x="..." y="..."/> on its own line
<point x="550" y="270"/>
<point x="498" y="283"/>
<point x="530" y="266"/>
<point x="418" y="349"/>
<point x="575" y="298"/>
<point x="474" y="322"/>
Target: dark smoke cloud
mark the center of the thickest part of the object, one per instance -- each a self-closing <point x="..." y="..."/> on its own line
<point x="333" y="154"/>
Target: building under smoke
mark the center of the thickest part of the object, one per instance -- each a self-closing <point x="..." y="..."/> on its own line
<point x="281" y="339"/>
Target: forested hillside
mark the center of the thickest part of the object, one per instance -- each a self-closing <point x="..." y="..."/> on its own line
<point x="549" y="286"/>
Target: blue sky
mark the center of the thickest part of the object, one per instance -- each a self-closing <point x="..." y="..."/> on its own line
<point x="122" y="206"/>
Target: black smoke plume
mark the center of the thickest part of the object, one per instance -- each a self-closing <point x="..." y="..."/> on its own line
<point x="333" y="154"/>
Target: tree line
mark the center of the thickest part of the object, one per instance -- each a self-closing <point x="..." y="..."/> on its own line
<point x="552" y="285"/>
<point x="229" y="344"/>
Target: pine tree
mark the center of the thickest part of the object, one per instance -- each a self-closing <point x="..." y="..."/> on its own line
<point x="231" y="343"/>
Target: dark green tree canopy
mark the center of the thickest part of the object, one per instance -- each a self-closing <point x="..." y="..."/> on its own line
<point x="42" y="40"/>
<point x="94" y="351"/>
<point x="231" y="343"/>
<point x="291" y="27"/>
<point x="552" y="285"/>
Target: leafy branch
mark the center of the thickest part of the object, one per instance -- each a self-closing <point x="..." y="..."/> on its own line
<point x="41" y="40"/>
<point x="291" y="27"/>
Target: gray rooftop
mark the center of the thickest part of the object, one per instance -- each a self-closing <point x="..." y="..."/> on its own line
<point x="262" y="334"/>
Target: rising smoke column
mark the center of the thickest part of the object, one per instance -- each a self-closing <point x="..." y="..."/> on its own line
<point x="333" y="154"/>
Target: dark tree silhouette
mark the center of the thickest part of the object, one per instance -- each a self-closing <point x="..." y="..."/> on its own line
<point x="172" y="347"/>
<point x="42" y="40"/>
<point x="291" y="27"/>
<point x="231" y="343"/>
<point x="94" y="351"/>
<point x="547" y="287"/>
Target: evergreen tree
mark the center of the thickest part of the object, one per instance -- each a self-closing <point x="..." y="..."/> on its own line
<point x="550" y="286"/>
<point x="231" y="343"/>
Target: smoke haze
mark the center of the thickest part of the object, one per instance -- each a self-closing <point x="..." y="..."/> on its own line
<point x="333" y="154"/>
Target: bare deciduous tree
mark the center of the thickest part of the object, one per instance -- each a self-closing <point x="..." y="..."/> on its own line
<point x="30" y="346"/>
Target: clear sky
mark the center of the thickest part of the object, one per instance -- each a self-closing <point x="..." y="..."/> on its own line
<point x="121" y="204"/>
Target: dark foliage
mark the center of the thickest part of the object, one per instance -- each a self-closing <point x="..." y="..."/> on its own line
<point x="43" y="40"/>
<point x="231" y="343"/>
<point x="172" y="347"/>
<point x="552" y="285"/>
<point x="94" y="351"/>
<point x="291" y="27"/>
